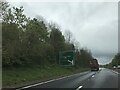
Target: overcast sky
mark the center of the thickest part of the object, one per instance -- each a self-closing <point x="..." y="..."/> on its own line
<point x="93" y="24"/>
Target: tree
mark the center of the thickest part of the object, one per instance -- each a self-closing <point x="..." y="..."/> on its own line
<point x="57" y="41"/>
<point x="14" y="15"/>
<point x="3" y="8"/>
<point x="83" y="56"/>
<point x="69" y="45"/>
<point x="11" y="44"/>
<point x="35" y="40"/>
<point x="68" y="36"/>
<point x="116" y="60"/>
<point x="12" y="30"/>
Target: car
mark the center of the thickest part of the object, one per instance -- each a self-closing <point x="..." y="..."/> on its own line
<point x="114" y="67"/>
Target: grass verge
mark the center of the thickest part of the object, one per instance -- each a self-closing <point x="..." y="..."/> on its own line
<point x="15" y="77"/>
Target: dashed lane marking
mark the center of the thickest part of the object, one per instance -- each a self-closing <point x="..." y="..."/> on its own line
<point x="79" y="87"/>
<point x="93" y="75"/>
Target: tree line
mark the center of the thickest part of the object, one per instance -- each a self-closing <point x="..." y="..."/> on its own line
<point x="115" y="61"/>
<point x="33" y="41"/>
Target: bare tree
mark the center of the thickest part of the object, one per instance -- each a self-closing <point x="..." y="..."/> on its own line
<point x="68" y="36"/>
<point x="77" y="45"/>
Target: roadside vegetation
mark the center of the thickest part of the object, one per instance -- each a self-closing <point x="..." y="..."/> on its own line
<point x="31" y="46"/>
<point x="16" y="77"/>
<point x="115" y="61"/>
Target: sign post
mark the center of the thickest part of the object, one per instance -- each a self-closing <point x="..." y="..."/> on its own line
<point x="66" y="58"/>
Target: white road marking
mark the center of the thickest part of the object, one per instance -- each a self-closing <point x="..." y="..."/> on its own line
<point x="79" y="87"/>
<point x="41" y="83"/>
<point x="45" y="82"/>
<point x="34" y="85"/>
<point x="93" y="75"/>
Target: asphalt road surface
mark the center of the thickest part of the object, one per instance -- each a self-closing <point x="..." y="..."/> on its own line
<point x="104" y="78"/>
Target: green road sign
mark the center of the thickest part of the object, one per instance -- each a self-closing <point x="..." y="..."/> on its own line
<point x="66" y="58"/>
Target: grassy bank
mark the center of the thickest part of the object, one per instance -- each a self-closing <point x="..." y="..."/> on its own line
<point x="14" y="77"/>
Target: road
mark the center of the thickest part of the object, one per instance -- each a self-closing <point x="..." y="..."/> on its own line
<point x="104" y="78"/>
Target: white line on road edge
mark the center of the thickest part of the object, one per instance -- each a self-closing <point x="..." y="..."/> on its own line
<point x="45" y="82"/>
<point x="79" y="87"/>
<point x="40" y="83"/>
